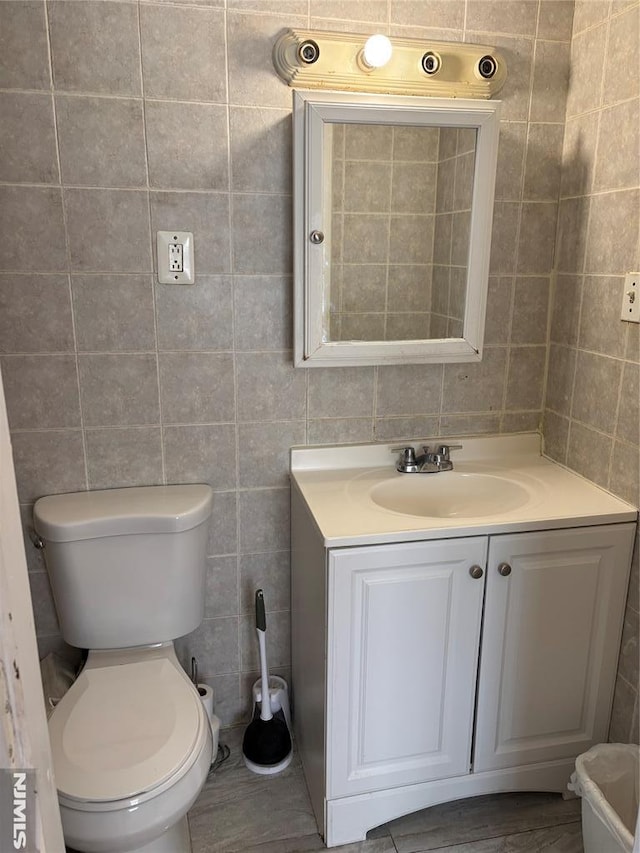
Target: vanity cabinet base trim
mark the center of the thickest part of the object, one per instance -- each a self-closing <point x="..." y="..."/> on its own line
<point x="348" y="819"/>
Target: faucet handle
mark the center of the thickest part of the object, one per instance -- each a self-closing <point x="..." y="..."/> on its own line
<point x="444" y="449"/>
<point x="407" y="459"/>
<point x="408" y="453"/>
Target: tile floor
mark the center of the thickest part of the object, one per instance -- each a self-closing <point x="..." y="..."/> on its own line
<point x="239" y="812"/>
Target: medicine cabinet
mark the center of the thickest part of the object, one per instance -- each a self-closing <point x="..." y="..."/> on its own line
<point x="393" y="204"/>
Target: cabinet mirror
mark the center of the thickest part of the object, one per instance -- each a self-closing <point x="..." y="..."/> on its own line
<point x="393" y="202"/>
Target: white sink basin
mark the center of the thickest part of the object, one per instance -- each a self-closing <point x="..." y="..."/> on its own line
<point x="500" y="484"/>
<point x="449" y="494"/>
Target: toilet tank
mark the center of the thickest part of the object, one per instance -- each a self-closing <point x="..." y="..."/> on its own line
<point x="126" y="566"/>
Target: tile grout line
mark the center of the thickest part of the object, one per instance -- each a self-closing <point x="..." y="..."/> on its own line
<point x="154" y="293"/>
<point x="67" y="246"/>
<point x="235" y="367"/>
<point x="552" y="274"/>
<point x="457" y="845"/>
<point x="593" y="181"/>
<point x="582" y="274"/>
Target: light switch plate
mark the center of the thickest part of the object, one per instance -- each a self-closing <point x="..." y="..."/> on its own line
<point x="175" y="257"/>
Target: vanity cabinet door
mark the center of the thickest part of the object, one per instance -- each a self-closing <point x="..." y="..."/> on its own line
<point x="404" y="625"/>
<point x="552" y="625"/>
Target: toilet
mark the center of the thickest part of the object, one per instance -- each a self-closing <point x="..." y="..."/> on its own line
<point x="130" y="740"/>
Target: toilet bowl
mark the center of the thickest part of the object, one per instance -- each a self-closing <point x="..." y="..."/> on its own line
<point x="130" y="740"/>
<point x="131" y="747"/>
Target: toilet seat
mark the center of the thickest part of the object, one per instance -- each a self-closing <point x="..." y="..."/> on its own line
<point x="151" y="726"/>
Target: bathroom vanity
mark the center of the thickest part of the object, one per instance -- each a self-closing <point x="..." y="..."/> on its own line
<point x="453" y="634"/>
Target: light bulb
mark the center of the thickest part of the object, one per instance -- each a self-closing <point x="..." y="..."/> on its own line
<point x="376" y="52"/>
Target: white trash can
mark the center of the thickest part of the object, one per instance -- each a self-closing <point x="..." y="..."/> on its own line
<point x="606" y="778"/>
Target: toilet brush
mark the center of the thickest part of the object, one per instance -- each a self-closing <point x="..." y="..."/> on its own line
<point x="267" y="743"/>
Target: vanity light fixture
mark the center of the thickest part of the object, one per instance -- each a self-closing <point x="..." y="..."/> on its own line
<point x="354" y="62"/>
<point x="376" y="52"/>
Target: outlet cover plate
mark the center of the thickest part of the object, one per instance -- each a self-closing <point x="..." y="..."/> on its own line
<point x="165" y="239"/>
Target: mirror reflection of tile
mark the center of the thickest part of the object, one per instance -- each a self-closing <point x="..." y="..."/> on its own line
<point x="401" y="203"/>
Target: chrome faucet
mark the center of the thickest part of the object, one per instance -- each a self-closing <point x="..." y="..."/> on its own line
<point x="428" y="462"/>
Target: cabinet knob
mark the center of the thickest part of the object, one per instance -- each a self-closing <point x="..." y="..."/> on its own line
<point x="476" y="572"/>
<point x="316" y="237"/>
<point x="504" y="569"/>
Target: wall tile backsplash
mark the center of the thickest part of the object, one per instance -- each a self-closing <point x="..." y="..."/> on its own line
<point x="113" y="380"/>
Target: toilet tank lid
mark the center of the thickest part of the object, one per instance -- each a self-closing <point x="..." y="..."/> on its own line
<point x="112" y="512"/>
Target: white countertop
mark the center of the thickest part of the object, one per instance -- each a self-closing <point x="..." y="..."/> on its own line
<point x="336" y="484"/>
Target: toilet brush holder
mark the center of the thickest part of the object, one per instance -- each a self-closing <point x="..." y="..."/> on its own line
<point x="279" y="695"/>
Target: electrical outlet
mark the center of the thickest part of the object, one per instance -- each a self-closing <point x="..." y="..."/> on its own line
<point x="174" y="251"/>
<point x="175" y="257"/>
<point x="631" y="298"/>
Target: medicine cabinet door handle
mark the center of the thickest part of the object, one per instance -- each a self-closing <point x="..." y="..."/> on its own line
<point x="316" y="237"/>
<point x="476" y="572"/>
<point x="504" y="569"/>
